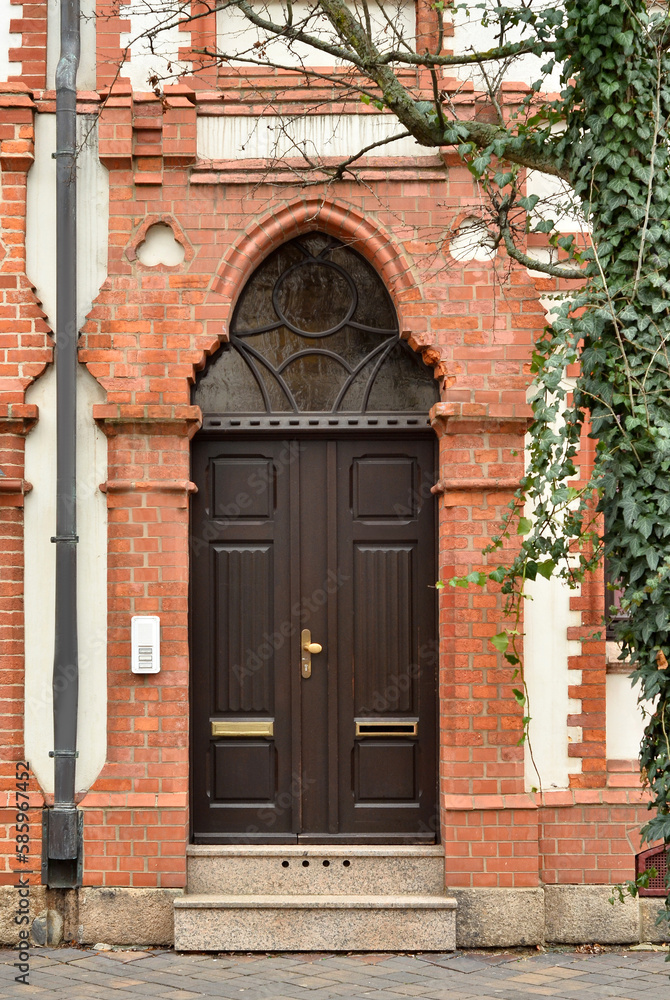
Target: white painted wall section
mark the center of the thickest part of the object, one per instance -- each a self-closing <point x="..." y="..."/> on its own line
<point x="40" y="512"/>
<point x="86" y="74"/>
<point x="236" y="36"/>
<point x="557" y="202"/>
<point x="238" y="137"/>
<point x="92" y="216"/>
<point x="160" y="57"/>
<point x="160" y="247"/>
<point x="9" y="40"/>
<point x="40" y="563"/>
<point x="472" y="35"/>
<point x="546" y="651"/>
<point x="625" y="719"/>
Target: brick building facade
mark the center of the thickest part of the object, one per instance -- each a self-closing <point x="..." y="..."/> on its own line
<point x="523" y="865"/>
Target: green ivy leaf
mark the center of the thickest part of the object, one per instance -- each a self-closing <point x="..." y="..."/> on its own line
<point x="500" y="641"/>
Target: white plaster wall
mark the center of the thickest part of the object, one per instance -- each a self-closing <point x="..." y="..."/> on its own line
<point x="471" y="35"/>
<point x="546" y="650"/>
<point x="92" y="220"/>
<point x="164" y="59"/>
<point x="86" y="74"/>
<point x="236" y="36"/>
<point x="558" y="202"/>
<point x="625" y="719"/>
<point x="40" y="560"/>
<point x="93" y="213"/>
<point x="8" y="40"/>
<point x="242" y="137"/>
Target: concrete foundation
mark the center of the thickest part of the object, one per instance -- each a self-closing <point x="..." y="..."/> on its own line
<point x="501" y="918"/>
<point x="649" y="930"/>
<point x="484" y="918"/>
<point x="576" y="914"/>
<point x="126" y="916"/>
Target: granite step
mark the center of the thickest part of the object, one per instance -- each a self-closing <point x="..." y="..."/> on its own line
<point x="315" y="870"/>
<point x="212" y="922"/>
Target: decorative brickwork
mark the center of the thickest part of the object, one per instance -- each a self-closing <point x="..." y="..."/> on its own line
<point x="109" y="26"/>
<point x="30" y="56"/>
<point x="25" y="351"/>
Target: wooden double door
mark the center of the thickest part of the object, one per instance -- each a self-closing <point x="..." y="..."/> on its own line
<point x="329" y="542"/>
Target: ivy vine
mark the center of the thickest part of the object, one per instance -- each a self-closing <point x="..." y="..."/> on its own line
<point x="613" y="147"/>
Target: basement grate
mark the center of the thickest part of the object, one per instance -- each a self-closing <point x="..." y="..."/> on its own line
<point x="656" y="857"/>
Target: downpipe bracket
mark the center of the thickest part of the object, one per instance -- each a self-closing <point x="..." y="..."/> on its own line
<point x="62" y="847"/>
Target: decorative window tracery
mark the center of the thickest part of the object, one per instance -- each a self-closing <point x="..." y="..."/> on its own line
<point x="315" y="332"/>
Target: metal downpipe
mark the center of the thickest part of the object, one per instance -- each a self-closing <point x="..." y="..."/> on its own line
<point x="62" y="851"/>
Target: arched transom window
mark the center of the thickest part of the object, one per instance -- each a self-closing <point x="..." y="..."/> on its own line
<point x="315" y="333"/>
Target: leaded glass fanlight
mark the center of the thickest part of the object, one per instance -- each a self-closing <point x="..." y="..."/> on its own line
<point x="315" y="334"/>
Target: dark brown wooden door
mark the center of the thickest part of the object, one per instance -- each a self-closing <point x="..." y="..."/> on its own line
<point x="336" y="536"/>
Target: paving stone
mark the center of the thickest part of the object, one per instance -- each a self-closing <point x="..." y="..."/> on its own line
<point x="80" y="974"/>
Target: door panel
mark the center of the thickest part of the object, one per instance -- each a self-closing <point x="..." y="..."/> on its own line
<point x="243" y="579"/>
<point x="338" y="537"/>
<point x="242" y="784"/>
<point x="386" y="544"/>
<point x="383" y="628"/>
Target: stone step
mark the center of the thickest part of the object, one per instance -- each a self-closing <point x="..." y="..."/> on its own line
<point x="315" y="870"/>
<point x="314" y="923"/>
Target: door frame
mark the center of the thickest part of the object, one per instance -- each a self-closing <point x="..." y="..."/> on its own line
<point x="386" y="428"/>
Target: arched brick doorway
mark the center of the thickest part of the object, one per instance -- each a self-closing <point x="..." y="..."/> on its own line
<point x="314" y="515"/>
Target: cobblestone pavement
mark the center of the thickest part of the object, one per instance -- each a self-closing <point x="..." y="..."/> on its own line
<point x="81" y="974"/>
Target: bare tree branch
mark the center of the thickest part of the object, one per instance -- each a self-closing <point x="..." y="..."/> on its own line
<point x="424" y="120"/>
<point x="341" y="167"/>
<point x="555" y="270"/>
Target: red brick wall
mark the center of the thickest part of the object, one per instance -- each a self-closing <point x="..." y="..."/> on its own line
<point x="148" y="331"/>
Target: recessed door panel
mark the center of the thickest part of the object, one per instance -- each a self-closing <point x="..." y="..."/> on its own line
<point x="243" y="487"/>
<point x="384" y="628"/>
<point x="244" y="592"/>
<point x="244" y="772"/>
<point x="385" y="771"/>
<point x="384" y="487"/>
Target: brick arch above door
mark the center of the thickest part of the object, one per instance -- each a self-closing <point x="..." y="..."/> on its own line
<point x="373" y="241"/>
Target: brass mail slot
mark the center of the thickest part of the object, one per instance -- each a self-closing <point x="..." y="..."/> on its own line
<point x="386" y="727"/>
<point x="225" y="727"/>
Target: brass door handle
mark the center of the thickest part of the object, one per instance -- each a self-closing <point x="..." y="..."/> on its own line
<point x="307" y="648"/>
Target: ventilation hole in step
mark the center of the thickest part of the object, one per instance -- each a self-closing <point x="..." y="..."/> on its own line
<point x="284" y="864"/>
<point x="305" y="864"/>
<point x="346" y="863"/>
<point x="326" y="864"/>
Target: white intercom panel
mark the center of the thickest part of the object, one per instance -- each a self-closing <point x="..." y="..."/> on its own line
<point x="145" y="644"/>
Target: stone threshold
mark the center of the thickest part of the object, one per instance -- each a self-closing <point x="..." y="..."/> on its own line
<point x="314" y="850"/>
<point x="216" y="902"/>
